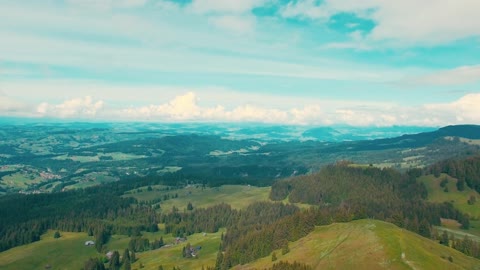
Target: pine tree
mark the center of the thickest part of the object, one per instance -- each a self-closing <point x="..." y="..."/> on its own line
<point x="132" y="257"/>
<point x="93" y="264"/>
<point x="126" y="256"/>
<point x="444" y="238"/>
<point x="127" y="265"/>
<point x="274" y="256"/>
<point x="219" y="262"/>
<point x="285" y="249"/>
<point x="56" y="235"/>
<point x="424" y="229"/>
<point x="115" y="261"/>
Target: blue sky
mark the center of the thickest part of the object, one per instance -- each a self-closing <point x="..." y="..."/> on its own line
<point x="372" y="62"/>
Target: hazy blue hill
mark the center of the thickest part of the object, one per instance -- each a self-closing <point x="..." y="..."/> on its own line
<point x="322" y="133"/>
<point x="348" y="133"/>
<point x="413" y="140"/>
<point x="464" y="131"/>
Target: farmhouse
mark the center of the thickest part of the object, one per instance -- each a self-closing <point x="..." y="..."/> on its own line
<point x="109" y="255"/>
<point x="89" y="243"/>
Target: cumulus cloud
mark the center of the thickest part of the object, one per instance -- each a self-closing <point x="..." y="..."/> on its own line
<point x="186" y="108"/>
<point x="400" y="23"/>
<point x="73" y="108"/>
<point x="463" y="110"/>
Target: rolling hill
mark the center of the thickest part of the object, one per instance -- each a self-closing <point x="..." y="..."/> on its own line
<point x="360" y="244"/>
<point x="368" y="244"/>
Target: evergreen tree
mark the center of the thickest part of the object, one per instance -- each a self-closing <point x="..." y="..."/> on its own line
<point x="132" y="256"/>
<point x="115" y="261"/>
<point x="126" y="256"/>
<point x="219" y="261"/>
<point x="285" y="249"/>
<point x="93" y="264"/>
<point x="274" y="256"/>
<point x="444" y="239"/>
<point x="56" y="235"/>
<point x="424" y="229"/>
<point x="127" y="265"/>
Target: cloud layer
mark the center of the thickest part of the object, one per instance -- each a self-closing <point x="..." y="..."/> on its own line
<point x="188" y="107"/>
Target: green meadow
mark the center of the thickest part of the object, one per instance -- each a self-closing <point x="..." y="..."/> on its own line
<point x="235" y="195"/>
<point x="67" y="252"/>
<point x="459" y="199"/>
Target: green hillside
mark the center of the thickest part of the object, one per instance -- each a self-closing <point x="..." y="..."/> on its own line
<point x="459" y="199"/>
<point x="368" y="244"/>
<point x="361" y="244"/>
<point x="67" y="252"/>
<point x="170" y="257"/>
<point x="70" y="252"/>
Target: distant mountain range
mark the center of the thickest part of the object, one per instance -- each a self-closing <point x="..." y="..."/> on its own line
<point x="263" y="132"/>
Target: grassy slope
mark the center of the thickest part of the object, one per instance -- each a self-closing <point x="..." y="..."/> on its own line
<point x="368" y="244"/>
<point x="67" y="252"/>
<point x="363" y="244"/>
<point x="458" y="198"/>
<point x="172" y="256"/>
<point x="237" y="196"/>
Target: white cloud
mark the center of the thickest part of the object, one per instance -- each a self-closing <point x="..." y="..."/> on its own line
<point x="167" y="5"/>
<point x="456" y="76"/>
<point x="401" y="23"/>
<point x="106" y="4"/>
<point x="10" y="106"/>
<point x="236" y="24"/>
<point x="304" y="9"/>
<point x="232" y="15"/>
<point x="186" y="108"/>
<point x="462" y="111"/>
<point x="74" y="108"/>
<point x="225" y="6"/>
<point x="316" y="112"/>
<point x="222" y="105"/>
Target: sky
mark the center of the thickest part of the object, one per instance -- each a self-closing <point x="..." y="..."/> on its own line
<point x="300" y="62"/>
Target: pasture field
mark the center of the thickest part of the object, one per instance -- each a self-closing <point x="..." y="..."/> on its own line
<point x="235" y="195"/>
<point x="67" y="252"/>
<point x="21" y="180"/>
<point x="459" y="199"/>
<point x="170" y="257"/>
<point x="115" y="156"/>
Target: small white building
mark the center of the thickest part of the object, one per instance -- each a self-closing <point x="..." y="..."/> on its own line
<point x="89" y="243"/>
